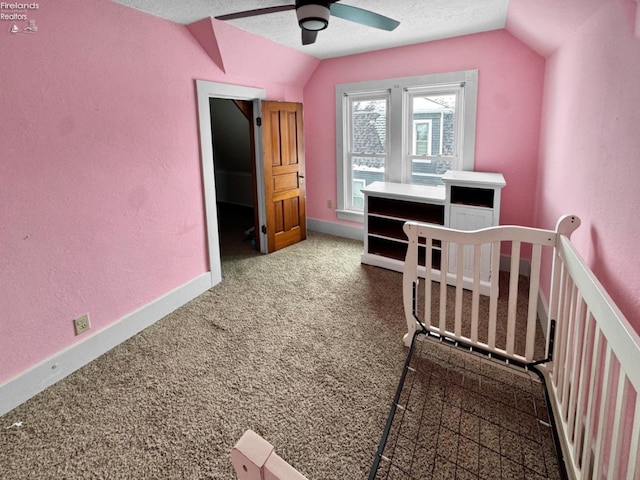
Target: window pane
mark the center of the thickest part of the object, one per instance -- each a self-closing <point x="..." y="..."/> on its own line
<point x="364" y="170"/>
<point x="358" y="196"/>
<point x="368" y="169"/>
<point x="437" y="112"/>
<point x="422" y="143"/>
<point x="369" y="126"/>
<point x="428" y="171"/>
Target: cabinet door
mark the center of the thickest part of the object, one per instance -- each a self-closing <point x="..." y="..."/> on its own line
<point x="470" y="218"/>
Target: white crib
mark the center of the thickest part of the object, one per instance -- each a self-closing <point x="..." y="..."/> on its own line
<point x="591" y="357"/>
<point x="593" y="372"/>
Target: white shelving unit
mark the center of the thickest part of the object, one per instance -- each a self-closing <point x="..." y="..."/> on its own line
<point x="467" y="201"/>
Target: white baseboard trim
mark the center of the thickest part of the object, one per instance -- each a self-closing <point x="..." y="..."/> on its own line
<point x="55" y="368"/>
<point x="543" y="312"/>
<point x="525" y="265"/>
<point x="337" y="229"/>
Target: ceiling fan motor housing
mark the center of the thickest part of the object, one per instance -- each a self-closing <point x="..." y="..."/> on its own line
<point x="313" y="15"/>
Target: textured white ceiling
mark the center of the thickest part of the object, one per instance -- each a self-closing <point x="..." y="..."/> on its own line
<point x="420" y="21"/>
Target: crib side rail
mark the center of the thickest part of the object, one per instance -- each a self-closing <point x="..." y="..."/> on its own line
<point x="472" y="248"/>
<point x="595" y="375"/>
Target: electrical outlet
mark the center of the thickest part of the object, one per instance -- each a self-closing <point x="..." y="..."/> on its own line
<point x="81" y="324"/>
<point x="329" y="204"/>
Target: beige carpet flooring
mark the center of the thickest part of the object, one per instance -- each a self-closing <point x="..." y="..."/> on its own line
<point x="304" y="346"/>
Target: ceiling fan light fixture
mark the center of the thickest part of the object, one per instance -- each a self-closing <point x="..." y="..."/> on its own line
<point x="313" y="17"/>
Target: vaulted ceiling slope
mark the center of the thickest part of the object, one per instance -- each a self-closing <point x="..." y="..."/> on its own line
<point x="542" y="24"/>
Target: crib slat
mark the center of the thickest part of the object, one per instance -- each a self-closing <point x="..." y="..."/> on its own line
<point x="427" y="282"/>
<point x="493" y="293"/>
<point x="513" y="297"/>
<point x="534" y="282"/>
<point x="559" y="279"/>
<point x="570" y="343"/>
<point x="621" y="406"/>
<point x="591" y="396"/>
<point x="605" y="405"/>
<point x="633" y="466"/>
<point x="553" y="301"/>
<point x="583" y="386"/>
<point x="564" y="335"/>
<point x="578" y="366"/>
<point x="475" y="296"/>
<point x="459" y="289"/>
<point x="443" y="286"/>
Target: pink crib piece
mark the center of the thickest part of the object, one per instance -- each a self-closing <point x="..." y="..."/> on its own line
<point x="254" y="458"/>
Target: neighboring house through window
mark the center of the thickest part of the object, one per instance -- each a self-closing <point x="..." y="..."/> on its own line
<point x="422" y="136"/>
<point x="404" y="130"/>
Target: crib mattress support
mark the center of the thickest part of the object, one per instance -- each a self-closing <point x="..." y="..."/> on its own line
<point x="526" y="366"/>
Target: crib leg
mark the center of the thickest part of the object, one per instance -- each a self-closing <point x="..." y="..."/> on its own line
<point x="254" y="458"/>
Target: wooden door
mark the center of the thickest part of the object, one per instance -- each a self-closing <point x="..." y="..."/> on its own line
<point x="283" y="163"/>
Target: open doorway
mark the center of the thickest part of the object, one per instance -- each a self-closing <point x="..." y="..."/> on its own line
<point x="205" y="91"/>
<point x="277" y="169"/>
<point x="235" y="179"/>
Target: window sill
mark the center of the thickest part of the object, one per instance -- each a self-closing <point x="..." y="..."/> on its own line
<point x="350" y="215"/>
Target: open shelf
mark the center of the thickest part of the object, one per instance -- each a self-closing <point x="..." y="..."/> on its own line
<point x="477" y="197"/>
<point x="386" y="227"/>
<point x="398" y="250"/>
<point x="387" y="248"/>
<point x="402" y="209"/>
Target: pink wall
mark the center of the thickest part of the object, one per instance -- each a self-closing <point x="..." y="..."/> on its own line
<point x="590" y="148"/>
<point x="101" y="204"/>
<point x="510" y="89"/>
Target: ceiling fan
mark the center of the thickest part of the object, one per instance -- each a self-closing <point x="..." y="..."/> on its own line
<point x="313" y="16"/>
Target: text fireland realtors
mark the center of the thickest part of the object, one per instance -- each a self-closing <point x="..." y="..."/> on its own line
<point x="14" y="8"/>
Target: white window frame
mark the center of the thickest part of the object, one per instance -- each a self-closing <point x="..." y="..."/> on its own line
<point x="454" y="88"/>
<point x="397" y="138"/>
<point x="346" y="106"/>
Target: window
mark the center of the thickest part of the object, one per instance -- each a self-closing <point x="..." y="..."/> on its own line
<point x="367" y="150"/>
<point x="433" y="150"/>
<point x="404" y="130"/>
